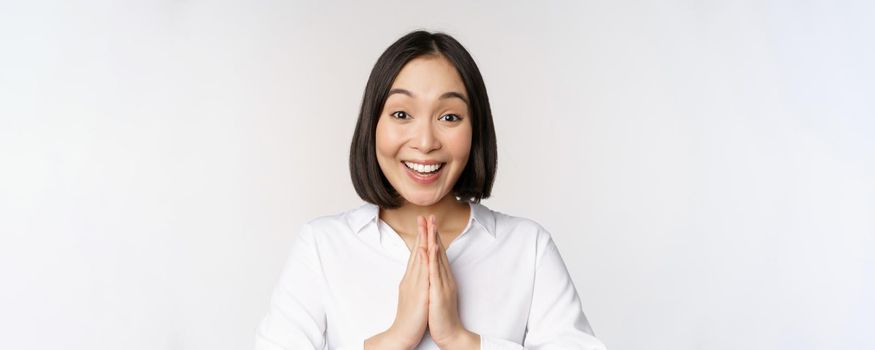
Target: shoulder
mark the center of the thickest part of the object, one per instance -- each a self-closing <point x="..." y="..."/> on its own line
<point x="510" y="226"/>
<point x="346" y="221"/>
<point x="524" y="234"/>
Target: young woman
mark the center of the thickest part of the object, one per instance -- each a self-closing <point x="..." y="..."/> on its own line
<point x="423" y="264"/>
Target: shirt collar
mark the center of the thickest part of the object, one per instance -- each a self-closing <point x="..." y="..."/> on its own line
<point x="369" y="213"/>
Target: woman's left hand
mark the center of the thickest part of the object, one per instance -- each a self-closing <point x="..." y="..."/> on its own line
<point x="444" y="324"/>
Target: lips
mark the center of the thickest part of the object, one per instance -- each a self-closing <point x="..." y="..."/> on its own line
<point x="423" y="162"/>
<point x="423" y="168"/>
<point x="421" y="178"/>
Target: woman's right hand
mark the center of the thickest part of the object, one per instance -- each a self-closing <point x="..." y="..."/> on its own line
<point x="411" y="317"/>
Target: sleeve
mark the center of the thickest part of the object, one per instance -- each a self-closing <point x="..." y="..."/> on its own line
<point x="296" y="316"/>
<point x="556" y="318"/>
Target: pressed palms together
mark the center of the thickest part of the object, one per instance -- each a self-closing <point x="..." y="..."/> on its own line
<point x="427" y="297"/>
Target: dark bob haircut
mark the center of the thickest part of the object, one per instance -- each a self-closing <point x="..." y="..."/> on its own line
<point x="475" y="182"/>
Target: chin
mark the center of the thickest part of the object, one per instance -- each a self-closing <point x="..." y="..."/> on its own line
<point x="422" y="203"/>
<point x="423" y="200"/>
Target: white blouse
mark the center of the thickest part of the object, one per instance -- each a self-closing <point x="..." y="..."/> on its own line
<point x="339" y="285"/>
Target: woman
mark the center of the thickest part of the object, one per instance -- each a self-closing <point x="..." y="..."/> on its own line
<point x="424" y="265"/>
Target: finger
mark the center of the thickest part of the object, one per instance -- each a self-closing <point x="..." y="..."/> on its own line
<point x="437" y="236"/>
<point x="422" y="249"/>
<point x="435" y="240"/>
<point x="433" y="273"/>
<point x="442" y="265"/>
<point x="416" y="243"/>
<point x="422" y="273"/>
<point x="440" y="243"/>
<point x="438" y="277"/>
<point x="439" y="260"/>
<point x="421" y="252"/>
<point x="431" y="230"/>
<point x="418" y="229"/>
<point x="438" y="239"/>
<point x="443" y="255"/>
<point x="421" y="236"/>
<point x="412" y="259"/>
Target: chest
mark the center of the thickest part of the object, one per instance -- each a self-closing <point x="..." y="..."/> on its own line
<point x="446" y="238"/>
<point x="494" y="283"/>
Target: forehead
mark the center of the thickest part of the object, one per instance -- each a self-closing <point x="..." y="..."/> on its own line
<point x="429" y="77"/>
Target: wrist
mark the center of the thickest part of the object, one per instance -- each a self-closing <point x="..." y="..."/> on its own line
<point x="463" y="340"/>
<point x="389" y="340"/>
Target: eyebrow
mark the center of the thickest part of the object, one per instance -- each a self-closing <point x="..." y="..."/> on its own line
<point x="446" y="95"/>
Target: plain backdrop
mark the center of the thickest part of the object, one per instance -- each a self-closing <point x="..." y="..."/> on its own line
<point x="707" y="168"/>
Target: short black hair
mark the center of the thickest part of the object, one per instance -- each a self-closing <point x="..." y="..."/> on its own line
<point x="475" y="182"/>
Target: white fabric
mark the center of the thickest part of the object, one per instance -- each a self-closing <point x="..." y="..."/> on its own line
<point x="339" y="285"/>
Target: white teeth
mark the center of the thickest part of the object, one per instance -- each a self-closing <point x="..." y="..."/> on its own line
<point x="423" y="168"/>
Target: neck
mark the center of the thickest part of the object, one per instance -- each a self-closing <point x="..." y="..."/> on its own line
<point x="449" y="213"/>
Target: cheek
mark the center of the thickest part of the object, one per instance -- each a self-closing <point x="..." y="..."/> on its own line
<point x="460" y="145"/>
<point x="386" y="141"/>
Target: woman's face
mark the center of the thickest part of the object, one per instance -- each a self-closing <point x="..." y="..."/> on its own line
<point x="425" y="121"/>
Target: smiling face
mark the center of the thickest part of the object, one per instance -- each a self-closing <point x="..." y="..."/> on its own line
<point x="425" y="124"/>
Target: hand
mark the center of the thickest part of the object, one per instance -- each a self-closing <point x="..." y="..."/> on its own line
<point x="444" y="324"/>
<point x="411" y="317"/>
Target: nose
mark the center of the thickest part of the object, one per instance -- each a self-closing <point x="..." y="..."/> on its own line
<point x="424" y="138"/>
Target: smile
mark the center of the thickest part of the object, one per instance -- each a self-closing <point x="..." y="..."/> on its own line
<point x="423" y="174"/>
<point x="423" y="168"/>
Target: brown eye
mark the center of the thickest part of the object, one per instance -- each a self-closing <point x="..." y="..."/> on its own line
<point x="400" y="115"/>
<point x="454" y="116"/>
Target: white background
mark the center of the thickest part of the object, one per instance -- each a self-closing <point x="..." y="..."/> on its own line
<point x="707" y="168"/>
